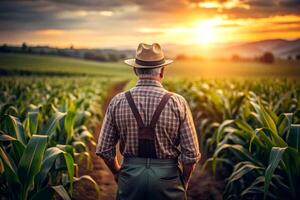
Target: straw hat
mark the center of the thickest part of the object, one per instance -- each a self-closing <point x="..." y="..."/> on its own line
<point x="148" y="56"/>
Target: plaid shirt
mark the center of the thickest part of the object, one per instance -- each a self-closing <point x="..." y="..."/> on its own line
<point x="175" y="130"/>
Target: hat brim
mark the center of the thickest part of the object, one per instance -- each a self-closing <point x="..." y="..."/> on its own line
<point x="131" y="62"/>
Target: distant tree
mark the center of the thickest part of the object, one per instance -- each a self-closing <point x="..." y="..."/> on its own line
<point x="93" y="56"/>
<point x="113" y="57"/>
<point x="4" y="48"/>
<point x="290" y="57"/>
<point x="267" y="57"/>
<point x="24" y="46"/>
<point x="235" y="57"/>
<point x="298" y="57"/>
<point x="123" y="56"/>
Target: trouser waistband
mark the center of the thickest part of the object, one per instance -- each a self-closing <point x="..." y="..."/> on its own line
<point x="149" y="161"/>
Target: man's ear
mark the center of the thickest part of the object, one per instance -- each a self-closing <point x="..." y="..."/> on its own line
<point x="161" y="75"/>
<point x="134" y="69"/>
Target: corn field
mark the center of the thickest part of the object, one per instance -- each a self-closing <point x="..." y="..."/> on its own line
<point x="45" y="126"/>
<point x="250" y="130"/>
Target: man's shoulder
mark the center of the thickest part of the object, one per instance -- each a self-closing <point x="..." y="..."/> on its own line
<point x="178" y="97"/>
<point x="120" y="97"/>
<point x="117" y="98"/>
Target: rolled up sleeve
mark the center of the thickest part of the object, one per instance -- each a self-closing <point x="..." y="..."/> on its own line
<point x="108" y="137"/>
<point x="190" y="152"/>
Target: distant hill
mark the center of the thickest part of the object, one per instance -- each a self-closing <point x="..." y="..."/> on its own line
<point x="279" y="47"/>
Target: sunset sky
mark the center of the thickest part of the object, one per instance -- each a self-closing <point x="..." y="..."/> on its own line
<point x="124" y="23"/>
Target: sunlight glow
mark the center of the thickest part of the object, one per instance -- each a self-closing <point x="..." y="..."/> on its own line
<point x="206" y="31"/>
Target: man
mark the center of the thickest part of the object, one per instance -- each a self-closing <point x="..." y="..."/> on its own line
<point x="155" y="130"/>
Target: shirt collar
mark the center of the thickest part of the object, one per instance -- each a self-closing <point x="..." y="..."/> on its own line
<point x="148" y="82"/>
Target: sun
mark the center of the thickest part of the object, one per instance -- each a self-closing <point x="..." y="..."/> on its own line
<point x="206" y="31"/>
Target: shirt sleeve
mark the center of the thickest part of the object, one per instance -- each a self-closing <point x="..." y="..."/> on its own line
<point x="108" y="137"/>
<point x="190" y="152"/>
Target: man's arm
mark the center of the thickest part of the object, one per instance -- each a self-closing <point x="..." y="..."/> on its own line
<point x="113" y="166"/>
<point x="108" y="138"/>
<point x="187" y="171"/>
<point x="190" y="153"/>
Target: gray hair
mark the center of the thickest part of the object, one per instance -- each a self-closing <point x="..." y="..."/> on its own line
<point x="148" y="72"/>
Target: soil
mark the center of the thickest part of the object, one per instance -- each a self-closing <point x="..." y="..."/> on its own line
<point x="202" y="184"/>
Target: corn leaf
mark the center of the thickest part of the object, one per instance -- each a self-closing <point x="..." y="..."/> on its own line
<point x="30" y="163"/>
<point x="274" y="159"/>
<point x="293" y="138"/>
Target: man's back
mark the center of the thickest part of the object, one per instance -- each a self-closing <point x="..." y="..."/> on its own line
<point x="174" y="128"/>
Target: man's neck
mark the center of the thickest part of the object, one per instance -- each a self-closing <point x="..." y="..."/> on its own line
<point x="151" y="78"/>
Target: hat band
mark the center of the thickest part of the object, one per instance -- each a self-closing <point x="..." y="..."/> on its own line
<point x="150" y="63"/>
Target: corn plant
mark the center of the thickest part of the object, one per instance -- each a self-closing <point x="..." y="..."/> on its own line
<point x="45" y="134"/>
<point x="264" y="159"/>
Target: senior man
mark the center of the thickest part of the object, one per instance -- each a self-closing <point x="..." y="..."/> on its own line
<point x="156" y="132"/>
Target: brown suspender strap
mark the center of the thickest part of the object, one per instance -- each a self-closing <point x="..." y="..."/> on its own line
<point x="156" y="114"/>
<point x="146" y="134"/>
<point x="134" y="109"/>
<point x="159" y="109"/>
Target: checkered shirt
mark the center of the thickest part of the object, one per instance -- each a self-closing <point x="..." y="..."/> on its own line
<point x="175" y="130"/>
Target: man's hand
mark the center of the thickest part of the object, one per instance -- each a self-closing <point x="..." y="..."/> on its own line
<point x="114" y="167"/>
<point x="116" y="176"/>
<point x="187" y="171"/>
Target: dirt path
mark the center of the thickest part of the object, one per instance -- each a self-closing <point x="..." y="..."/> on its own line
<point x="100" y="172"/>
<point x="202" y="185"/>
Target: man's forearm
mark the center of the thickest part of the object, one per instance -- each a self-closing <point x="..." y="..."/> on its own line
<point x="187" y="171"/>
<point x="113" y="165"/>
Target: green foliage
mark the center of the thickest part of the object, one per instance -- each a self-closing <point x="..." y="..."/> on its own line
<point x="44" y="134"/>
<point x="248" y="127"/>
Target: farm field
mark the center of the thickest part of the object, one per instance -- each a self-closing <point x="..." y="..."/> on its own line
<point x="249" y="132"/>
<point x="46" y="129"/>
<point x="247" y="124"/>
<point x="49" y="65"/>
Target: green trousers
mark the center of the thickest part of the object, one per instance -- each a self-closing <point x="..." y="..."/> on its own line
<point x="150" y="179"/>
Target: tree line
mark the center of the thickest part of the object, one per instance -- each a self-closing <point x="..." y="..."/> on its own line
<point x="103" y="55"/>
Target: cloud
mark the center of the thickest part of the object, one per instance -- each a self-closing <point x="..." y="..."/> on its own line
<point x="131" y="20"/>
<point x="249" y="8"/>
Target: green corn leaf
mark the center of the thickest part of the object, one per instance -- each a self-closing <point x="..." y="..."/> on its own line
<point x="293" y="138"/>
<point x="9" y="168"/>
<point x="221" y="129"/>
<point x="240" y="150"/>
<point x="274" y="159"/>
<point x="84" y="155"/>
<point x="80" y="146"/>
<point x="67" y="163"/>
<point x="278" y="141"/>
<point x="17" y="147"/>
<point x="48" y="193"/>
<point x="50" y="157"/>
<point x="70" y="166"/>
<point x="241" y="169"/>
<point x="59" y="189"/>
<point x="69" y="125"/>
<point x="30" y="163"/>
<point x="253" y="186"/>
<point x="12" y="126"/>
<point x="9" y="109"/>
<point x="283" y="124"/>
<point x="33" y="117"/>
<point x="264" y="117"/>
<point x="50" y="126"/>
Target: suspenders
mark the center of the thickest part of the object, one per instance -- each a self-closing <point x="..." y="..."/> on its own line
<point x="146" y="134"/>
